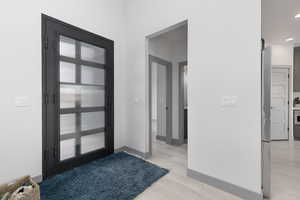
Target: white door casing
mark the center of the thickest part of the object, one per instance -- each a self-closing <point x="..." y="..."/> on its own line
<point x="279" y="104"/>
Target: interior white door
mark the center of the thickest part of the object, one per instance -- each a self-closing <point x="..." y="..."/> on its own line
<point x="154" y="98"/>
<point x="161" y="100"/>
<point x="279" y="104"/>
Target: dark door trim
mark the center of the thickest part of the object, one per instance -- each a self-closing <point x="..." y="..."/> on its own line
<point x="50" y="95"/>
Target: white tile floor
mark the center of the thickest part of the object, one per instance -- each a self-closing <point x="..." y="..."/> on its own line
<point x="176" y="185"/>
<point x="285" y="171"/>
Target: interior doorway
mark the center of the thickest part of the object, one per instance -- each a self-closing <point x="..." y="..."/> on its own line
<point x="280" y="104"/>
<point x="167" y="54"/>
<point x="161" y="93"/>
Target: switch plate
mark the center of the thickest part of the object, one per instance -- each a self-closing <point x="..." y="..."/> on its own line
<point x="22" y="101"/>
<point x="136" y="100"/>
<point x="229" y="101"/>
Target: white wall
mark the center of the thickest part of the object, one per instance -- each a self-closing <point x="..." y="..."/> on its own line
<point x="173" y="51"/>
<point x="21" y="130"/>
<point x="223" y="143"/>
<point x="224" y="59"/>
<point x="282" y="55"/>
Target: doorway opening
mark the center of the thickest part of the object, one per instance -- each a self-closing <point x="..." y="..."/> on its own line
<point x="280" y="105"/>
<point x="167" y="81"/>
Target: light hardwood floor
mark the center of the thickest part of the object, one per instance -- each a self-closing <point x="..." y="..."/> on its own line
<point x="285" y="171"/>
<point x="177" y="186"/>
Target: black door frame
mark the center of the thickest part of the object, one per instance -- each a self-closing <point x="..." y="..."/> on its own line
<point x="51" y="29"/>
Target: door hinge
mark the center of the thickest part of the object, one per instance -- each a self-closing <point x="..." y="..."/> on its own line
<point x="46" y="42"/>
<point x="46" y="99"/>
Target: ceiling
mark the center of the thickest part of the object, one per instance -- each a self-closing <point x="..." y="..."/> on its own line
<point x="279" y="23"/>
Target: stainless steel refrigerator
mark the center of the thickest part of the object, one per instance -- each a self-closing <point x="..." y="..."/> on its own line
<point x="266" y="119"/>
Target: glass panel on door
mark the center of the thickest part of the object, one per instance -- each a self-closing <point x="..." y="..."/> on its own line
<point x="67" y="47"/>
<point x="92" y="142"/>
<point x="92" y="75"/>
<point x="67" y="72"/>
<point x="81" y="87"/>
<point x="67" y="124"/>
<point x="67" y="96"/>
<point x="92" y="96"/>
<point x="92" y="53"/>
<point x="67" y="149"/>
<point x="92" y="120"/>
<point x="85" y="96"/>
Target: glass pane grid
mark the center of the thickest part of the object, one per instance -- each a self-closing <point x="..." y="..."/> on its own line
<point x="81" y="96"/>
<point x="92" y="97"/>
<point x="81" y="86"/>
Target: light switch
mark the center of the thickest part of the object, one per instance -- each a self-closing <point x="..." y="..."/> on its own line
<point x="229" y="101"/>
<point x="136" y="100"/>
<point x="22" y="101"/>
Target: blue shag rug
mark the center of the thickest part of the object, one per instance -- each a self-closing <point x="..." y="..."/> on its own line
<point x="119" y="176"/>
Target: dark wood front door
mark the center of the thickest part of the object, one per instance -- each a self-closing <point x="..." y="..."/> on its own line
<point x="78" y="77"/>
